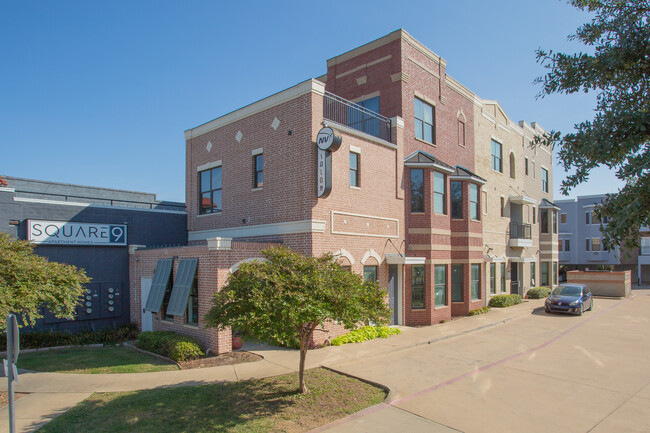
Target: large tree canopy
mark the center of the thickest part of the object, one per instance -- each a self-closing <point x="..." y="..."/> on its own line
<point x="618" y="69"/>
<point x="288" y="296"/>
<point x="28" y="282"/>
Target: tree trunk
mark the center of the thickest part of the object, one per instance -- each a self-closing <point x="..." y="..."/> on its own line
<point x="305" y="337"/>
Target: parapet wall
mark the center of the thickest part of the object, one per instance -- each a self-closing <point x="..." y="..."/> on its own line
<point x="603" y="283"/>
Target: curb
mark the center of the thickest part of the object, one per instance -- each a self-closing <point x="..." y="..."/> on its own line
<point x="391" y="394"/>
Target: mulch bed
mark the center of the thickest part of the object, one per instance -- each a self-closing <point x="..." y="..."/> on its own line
<point x="4" y="397"/>
<point x="238" y="357"/>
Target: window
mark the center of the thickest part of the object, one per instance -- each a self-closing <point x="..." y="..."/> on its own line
<point x="461" y="132"/>
<point x="417" y="287"/>
<point x="595" y="244"/>
<point x="354" y="169"/>
<point x="417" y="190"/>
<point x="503" y="206"/>
<point x="503" y="277"/>
<point x="497" y="163"/>
<point x="210" y="187"/>
<point x="258" y="171"/>
<point x="532" y="274"/>
<point x="526" y="166"/>
<point x="555" y="273"/>
<point x="605" y="220"/>
<point x="362" y="120"/>
<point x="512" y="166"/>
<point x="165" y="304"/>
<point x="440" y="281"/>
<point x="193" y="305"/>
<point x="567" y="245"/>
<point x="347" y="268"/>
<point x="424" y="124"/>
<point x="587" y="244"/>
<point x="370" y="273"/>
<point x="493" y="278"/>
<point x="594" y="219"/>
<point x="544" y="221"/>
<point x="562" y="218"/>
<point x="559" y="245"/>
<point x="439" y="198"/>
<point x="456" y="283"/>
<point x="456" y="189"/>
<point x="473" y="202"/>
<point x="587" y="217"/>
<point x="534" y="215"/>
<point x="554" y="214"/>
<point x="544" y="180"/>
<point x="545" y="280"/>
<point x="645" y="246"/>
<point x="476" y="281"/>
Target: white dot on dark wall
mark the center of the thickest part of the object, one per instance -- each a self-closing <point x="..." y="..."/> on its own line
<point x="275" y="123"/>
<point x="239" y="136"/>
<point x="208" y="146"/>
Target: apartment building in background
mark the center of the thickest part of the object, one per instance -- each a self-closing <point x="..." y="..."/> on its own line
<point x="580" y="241"/>
<point x="385" y="161"/>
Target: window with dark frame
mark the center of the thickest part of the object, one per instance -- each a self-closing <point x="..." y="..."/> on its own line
<point x="457" y="283"/>
<point x="165" y="304"/>
<point x="526" y="166"/>
<point x="476" y="281"/>
<point x="425" y="121"/>
<point x="493" y="278"/>
<point x="554" y="218"/>
<point x="461" y="132"/>
<point x="555" y="273"/>
<point x="354" y="169"/>
<point x="362" y="120"/>
<point x="258" y="171"/>
<point x="532" y="274"/>
<point x="497" y="156"/>
<point x="439" y="196"/>
<point x="417" y="190"/>
<point x="534" y="215"/>
<point x="456" y="192"/>
<point x="587" y="244"/>
<point x="192" y="316"/>
<point x="417" y="287"/>
<point x="543" y="221"/>
<point x="559" y="244"/>
<point x="210" y="191"/>
<point x="562" y="218"/>
<point x="503" y="277"/>
<point x="440" y="285"/>
<point x="474" y="208"/>
<point x="595" y="244"/>
<point x="587" y="217"/>
<point x="544" y="179"/>
<point x="503" y="206"/>
<point x="567" y="245"/>
<point x="370" y="273"/>
<point x="544" y="277"/>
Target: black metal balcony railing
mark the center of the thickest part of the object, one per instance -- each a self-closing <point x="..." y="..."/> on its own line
<point x="520" y="231"/>
<point x="355" y="116"/>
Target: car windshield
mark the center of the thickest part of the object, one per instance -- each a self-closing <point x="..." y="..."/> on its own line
<point x="568" y="291"/>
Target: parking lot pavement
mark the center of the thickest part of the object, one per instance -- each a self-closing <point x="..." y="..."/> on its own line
<point x="538" y="373"/>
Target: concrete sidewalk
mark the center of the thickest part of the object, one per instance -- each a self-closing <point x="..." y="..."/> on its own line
<point x="51" y="394"/>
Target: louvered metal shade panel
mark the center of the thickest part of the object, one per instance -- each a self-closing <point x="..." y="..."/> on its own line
<point x="182" y="287"/>
<point x="161" y="280"/>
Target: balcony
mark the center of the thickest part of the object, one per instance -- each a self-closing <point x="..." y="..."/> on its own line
<point x="355" y="116"/>
<point x="521" y="235"/>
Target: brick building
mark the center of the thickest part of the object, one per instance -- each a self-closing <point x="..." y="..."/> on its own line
<point x="400" y="200"/>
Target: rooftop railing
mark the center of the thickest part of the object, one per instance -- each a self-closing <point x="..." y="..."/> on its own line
<point x="355" y="116"/>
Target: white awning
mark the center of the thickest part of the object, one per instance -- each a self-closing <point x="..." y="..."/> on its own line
<point x="522" y="199"/>
<point x="398" y="259"/>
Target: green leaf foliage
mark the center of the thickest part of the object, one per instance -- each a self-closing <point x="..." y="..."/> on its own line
<point x="500" y="301"/>
<point x="538" y="293"/>
<point x="29" y="282"/>
<point x="479" y="311"/>
<point x="617" y="68"/>
<point x="170" y="344"/>
<point x="364" y="334"/>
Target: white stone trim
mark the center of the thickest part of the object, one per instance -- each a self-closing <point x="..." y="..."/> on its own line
<point x="355" y="149"/>
<point x="363" y="135"/>
<point x="257" y="151"/>
<point x="430" y="71"/>
<point x="218" y="243"/>
<point x="274" y="229"/>
<point x="208" y="166"/>
<point x="460" y="89"/>
<point x="370" y="253"/>
<point x="134" y="247"/>
<point x="425" y="99"/>
<point x="345" y="253"/>
<point x="104" y="206"/>
<point x="365" y="65"/>
<point x="364" y="97"/>
<point x="236" y="266"/>
<point x="306" y="87"/>
<point x="397" y="122"/>
<point x="7" y="189"/>
<point x="334" y="232"/>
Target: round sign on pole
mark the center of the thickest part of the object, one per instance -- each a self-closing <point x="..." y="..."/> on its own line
<point x="327" y="140"/>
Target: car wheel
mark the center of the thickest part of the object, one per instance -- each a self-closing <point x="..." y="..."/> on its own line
<point x="547" y="310"/>
<point x="582" y="309"/>
<point x="591" y="306"/>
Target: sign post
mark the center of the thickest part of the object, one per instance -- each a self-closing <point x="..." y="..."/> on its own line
<point x="13" y="348"/>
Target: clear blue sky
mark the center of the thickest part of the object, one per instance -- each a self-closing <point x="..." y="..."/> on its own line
<point x="100" y="93"/>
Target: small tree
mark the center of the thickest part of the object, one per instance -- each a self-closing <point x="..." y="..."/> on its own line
<point x="287" y="297"/>
<point x="28" y="282"/>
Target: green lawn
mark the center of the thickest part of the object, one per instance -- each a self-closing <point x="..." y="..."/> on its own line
<point x="261" y="405"/>
<point x="93" y="360"/>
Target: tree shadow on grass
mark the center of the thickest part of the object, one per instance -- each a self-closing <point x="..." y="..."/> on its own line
<point x="237" y="407"/>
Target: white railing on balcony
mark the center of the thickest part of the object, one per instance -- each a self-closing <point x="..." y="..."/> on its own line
<point x="355" y="116"/>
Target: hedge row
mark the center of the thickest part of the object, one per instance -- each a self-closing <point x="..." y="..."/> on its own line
<point x="500" y="301"/>
<point x="36" y="340"/>
<point x="170" y="344"/>
<point x="479" y="311"/>
<point x="538" y="293"/>
<point x="365" y="333"/>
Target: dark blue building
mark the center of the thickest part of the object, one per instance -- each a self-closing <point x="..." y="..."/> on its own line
<point x="92" y="229"/>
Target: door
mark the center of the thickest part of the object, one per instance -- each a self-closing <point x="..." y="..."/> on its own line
<point x="393" y="298"/>
<point x="514" y="278"/>
<point x="145" y="287"/>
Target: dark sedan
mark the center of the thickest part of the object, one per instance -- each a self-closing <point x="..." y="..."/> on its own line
<point x="569" y="298"/>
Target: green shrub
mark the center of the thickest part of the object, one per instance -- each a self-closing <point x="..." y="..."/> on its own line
<point x="500" y="301"/>
<point x="479" y="311"/>
<point x="170" y="344"/>
<point x="365" y="333"/>
<point x="35" y="340"/>
<point x="538" y="293"/>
